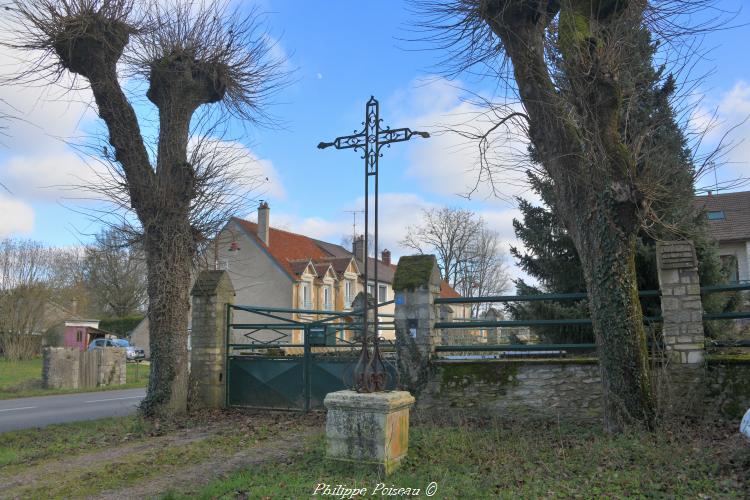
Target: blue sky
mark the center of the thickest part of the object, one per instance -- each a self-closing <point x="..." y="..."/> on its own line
<point x="341" y="52"/>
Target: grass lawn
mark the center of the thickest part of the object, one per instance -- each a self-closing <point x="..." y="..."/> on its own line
<point x="22" y="379"/>
<point x="86" y="459"/>
<point x="533" y="461"/>
<point x="29" y="446"/>
<point x="198" y="458"/>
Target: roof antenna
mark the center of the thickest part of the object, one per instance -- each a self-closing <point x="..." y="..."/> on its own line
<point x="354" y="222"/>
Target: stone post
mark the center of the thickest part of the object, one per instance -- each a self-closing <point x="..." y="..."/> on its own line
<point x="60" y="368"/>
<point x="211" y="293"/>
<point x="494" y="333"/>
<point x="417" y="285"/>
<point x="681" y="305"/>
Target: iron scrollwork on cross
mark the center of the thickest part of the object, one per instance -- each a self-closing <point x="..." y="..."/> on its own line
<point x="370" y="374"/>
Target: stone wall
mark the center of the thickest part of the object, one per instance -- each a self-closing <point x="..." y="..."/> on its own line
<point x="110" y="366"/>
<point x="570" y="389"/>
<point x="728" y="386"/>
<point x="60" y="367"/>
<point x="70" y="368"/>
<point x="514" y="389"/>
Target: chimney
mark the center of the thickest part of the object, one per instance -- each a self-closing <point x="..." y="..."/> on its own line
<point x="263" y="224"/>
<point x="358" y="248"/>
<point x="386" y="257"/>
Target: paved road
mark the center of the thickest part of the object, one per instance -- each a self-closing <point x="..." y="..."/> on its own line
<point x="25" y="413"/>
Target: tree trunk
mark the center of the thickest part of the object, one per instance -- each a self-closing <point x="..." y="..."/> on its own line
<point x="169" y="255"/>
<point x="575" y="133"/>
<point x="607" y="255"/>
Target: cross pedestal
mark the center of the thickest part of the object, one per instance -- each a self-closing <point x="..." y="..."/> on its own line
<point x="370" y="428"/>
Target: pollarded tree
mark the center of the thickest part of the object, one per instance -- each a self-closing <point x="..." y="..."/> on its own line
<point x="193" y="56"/>
<point x="549" y="255"/>
<point x="568" y="63"/>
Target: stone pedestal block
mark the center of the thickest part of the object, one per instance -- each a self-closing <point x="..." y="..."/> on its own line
<point x="368" y="428"/>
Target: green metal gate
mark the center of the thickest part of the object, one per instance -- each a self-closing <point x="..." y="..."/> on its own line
<point x="292" y="364"/>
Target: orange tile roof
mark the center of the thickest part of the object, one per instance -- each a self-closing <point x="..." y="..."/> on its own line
<point x="447" y="291"/>
<point x="291" y="249"/>
<point x="285" y="246"/>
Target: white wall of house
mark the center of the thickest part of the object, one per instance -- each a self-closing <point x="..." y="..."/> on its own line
<point x="256" y="277"/>
<point x="741" y="252"/>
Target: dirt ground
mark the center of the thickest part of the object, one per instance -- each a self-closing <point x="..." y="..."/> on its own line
<point x="175" y="461"/>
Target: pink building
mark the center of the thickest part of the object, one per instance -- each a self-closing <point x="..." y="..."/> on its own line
<point x="80" y="333"/>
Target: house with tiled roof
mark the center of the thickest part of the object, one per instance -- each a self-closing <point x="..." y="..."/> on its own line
<point x="728" y="217"/>
<point x="277" y="268"/>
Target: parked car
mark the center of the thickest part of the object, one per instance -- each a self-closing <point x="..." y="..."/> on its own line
<point x="132" y="353"/>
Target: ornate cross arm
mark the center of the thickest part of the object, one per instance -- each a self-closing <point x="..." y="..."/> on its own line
<point x="389" y="136"/>
<point x="346" y="142"/>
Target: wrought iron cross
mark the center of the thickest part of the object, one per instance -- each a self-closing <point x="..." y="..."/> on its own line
<point x="370" y="373"/>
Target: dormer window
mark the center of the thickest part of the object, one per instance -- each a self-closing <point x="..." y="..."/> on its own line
<point x="716" y="215"/>
<point x="348" y="293"/>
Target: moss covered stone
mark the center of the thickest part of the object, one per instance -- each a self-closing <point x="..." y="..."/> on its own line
<point x="414" y="271"/>
<point x="728" y="358"/>
<point x="729" y="384"/>
<point x="462" y="374"/>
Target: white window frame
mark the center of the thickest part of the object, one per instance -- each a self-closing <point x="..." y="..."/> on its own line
<point x="305" y="293"/>
<point x="327" y="305"/>
<point x="384" y="289"/>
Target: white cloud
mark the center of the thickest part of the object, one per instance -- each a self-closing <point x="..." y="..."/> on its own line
<point x="47" y="113"/>
<point x="18" y="217"/>
<point x="398" y="211"/>
<point x="51" y="175"/>
<point x="256" y="175"/>
<point x="724" y="118"/>
<point x="271" y="185"/>
<point x="734" y="111"/>
<point x="448" y="163"/>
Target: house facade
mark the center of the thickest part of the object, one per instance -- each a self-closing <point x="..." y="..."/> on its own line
<point x="728" y="217"/>
<point x="276" y="268"/>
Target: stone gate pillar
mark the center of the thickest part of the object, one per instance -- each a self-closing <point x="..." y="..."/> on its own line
<point x="681" y="304"/>
<point x="417" y="285"/>
<point x="211" y="293"/>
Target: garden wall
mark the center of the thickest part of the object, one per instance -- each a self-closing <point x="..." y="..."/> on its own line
<point x="70" y="368"/>
<point x="568" y="389"/>
<point x="728" y="386"/>
<point x="514" y="388"/>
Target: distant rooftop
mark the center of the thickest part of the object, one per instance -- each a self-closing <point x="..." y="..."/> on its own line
<point x="728" y="215"/>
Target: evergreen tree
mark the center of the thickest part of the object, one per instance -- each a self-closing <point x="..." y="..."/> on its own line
<point x="650" y="128"/>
